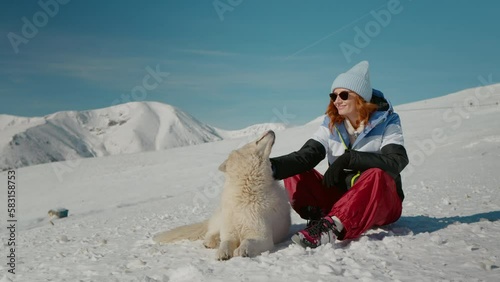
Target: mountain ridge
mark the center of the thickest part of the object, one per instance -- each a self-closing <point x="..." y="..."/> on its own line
<point x="126" y="128"/>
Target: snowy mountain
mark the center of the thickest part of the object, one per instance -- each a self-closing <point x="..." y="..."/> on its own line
<point x="127" y="128"/>
<point x="448" y="230"/>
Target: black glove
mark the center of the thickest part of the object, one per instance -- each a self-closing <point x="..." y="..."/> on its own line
<point x="335" y="174"/>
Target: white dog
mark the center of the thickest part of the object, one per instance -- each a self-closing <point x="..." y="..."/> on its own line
<point x="254" y="213"/>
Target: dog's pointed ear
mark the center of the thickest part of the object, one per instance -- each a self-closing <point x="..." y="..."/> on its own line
<point x="222" y="166"/>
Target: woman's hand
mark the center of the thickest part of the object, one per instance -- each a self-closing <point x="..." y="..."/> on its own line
<point x="335" y="173"/>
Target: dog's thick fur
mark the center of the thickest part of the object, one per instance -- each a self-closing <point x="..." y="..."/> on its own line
<point x="254" y="213"/>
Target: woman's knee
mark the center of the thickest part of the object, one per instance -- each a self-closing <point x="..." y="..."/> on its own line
<point x="375" y="170"/>
<point x="309" y="177"/>
<point x="378" y="172"/>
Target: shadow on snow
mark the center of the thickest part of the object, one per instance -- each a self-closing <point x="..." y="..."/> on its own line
<point x="421" y="224"/>
<point x="411" y="225"/>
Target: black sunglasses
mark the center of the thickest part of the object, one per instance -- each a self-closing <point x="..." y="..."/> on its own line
<point x="344" y="95"/>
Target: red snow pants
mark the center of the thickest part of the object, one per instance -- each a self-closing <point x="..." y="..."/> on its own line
<point x="371" y="201"/>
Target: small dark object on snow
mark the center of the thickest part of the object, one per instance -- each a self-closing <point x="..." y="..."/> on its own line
<point x="59" y="213"/>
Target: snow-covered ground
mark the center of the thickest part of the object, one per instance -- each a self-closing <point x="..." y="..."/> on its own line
<point x="448" y="231"/>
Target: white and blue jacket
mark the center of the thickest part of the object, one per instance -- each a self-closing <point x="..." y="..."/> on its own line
<point x="380" y="145"/>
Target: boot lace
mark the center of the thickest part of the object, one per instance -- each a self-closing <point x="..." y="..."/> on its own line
<point x="322" y="225"/>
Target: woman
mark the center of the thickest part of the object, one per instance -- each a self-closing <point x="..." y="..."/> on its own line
<point x="362" y="138"/>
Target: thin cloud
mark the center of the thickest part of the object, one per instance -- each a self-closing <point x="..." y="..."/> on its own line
<point x="333" y="33"/>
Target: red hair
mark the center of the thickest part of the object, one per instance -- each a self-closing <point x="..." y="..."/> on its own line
<point x="364" y="108"/>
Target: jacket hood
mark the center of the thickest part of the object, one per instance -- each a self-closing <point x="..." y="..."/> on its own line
<point x="384" y="108"/>
<point x="379" y="100"/>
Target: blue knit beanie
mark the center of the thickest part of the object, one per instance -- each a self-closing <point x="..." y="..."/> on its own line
<point x="356" y="79"/>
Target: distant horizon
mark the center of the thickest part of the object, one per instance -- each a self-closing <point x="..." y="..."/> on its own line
<point x="250" y="125"/>
<point x="232" y="64"/>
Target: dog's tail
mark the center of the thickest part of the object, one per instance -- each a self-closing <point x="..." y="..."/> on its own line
<point x="191" y="232"/>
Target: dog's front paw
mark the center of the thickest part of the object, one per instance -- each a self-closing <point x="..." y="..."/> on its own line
<point x="223" y="254"/>
<point x="241" y="252"/>
<point x="226" y="250"/>
<point x="244" y="250"/>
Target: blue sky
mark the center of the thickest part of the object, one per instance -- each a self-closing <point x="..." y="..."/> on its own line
<point x="234" y="63"/>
